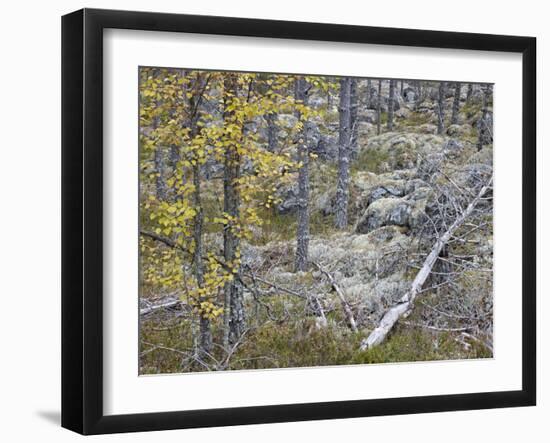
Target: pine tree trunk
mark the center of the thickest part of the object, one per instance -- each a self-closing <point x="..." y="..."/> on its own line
<point x="234" y="319"/>
<point x="302" y="233"/>
<point x="354" y="108"/>
<point x="390" y="105"/>
<point x="441" y="109"/>
<point x="419" y="93"/>
<point x="342" y="190"/>
<point x="482" y="124"/>
<point x="369" y="94"/>
<point x="378" y="107"/>
<point x="456" y="104"/>
<point x="469" y="93"/>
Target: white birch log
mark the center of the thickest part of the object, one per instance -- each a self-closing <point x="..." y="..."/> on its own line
<point x="390" y="318"/>
<point x="165" y="305"/>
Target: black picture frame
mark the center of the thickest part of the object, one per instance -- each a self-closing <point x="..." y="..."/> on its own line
<point x="82" y="218"/>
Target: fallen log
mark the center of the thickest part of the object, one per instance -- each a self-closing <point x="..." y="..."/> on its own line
<point x="166" y="305"/>
<point x="405" y="304"/>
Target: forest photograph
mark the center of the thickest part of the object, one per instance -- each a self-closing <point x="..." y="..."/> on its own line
<point x="296" y="220"/>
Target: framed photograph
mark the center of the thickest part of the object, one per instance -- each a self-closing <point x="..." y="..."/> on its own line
<point x="269" y="221"/>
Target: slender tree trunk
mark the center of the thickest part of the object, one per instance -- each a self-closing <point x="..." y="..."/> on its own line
<point x="234" y="319"/>
<point x="419" y="92"/>
<point x="441" y="108"/>
<point x="378" y="107"/>
<point x="482" y="124"/>
<point x="159" y="171"/>
<point x="174" y="157"/>
<point x="456" y="104"/>
<point x="205" y="341"/>
<point x="342" y="191"/>
<point x="354" y="108"/>
<point x="302" y="233"/>
<point x="390" y="105"/>
<point x="272" y="132"/>
<point x="401" y="91"/>
<point x="330" y="103"/>
<point x="160" y="185"/>
<point x="202" y="332"/>
<point x="368" y="97"/>
<point x="469" y="93"/>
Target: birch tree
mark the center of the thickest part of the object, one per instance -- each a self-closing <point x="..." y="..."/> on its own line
<point x="234" y="320"/>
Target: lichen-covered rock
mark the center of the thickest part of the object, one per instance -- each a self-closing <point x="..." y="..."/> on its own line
<point x="384" y="212"/>
<point x="458" y="130"/>
<point x="473" y="175"/>
<point x="427" y="128"/>
<point x="288" y="197"/>
<point x="403" y="113"/>
<point x="325" y="203"/>
<point x="369" y="116"/>
<point x="409" y="95"/>
<point x="453" y="146"/>
<point x="384" y="191"/>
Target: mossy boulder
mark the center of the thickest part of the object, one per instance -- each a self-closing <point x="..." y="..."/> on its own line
<point x="385" y="212"/>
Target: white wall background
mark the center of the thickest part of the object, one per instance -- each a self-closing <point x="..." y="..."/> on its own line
<point x="30" y="220"/>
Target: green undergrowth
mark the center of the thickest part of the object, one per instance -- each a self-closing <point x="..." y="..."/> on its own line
<point x="301" y="343"/>
<point x="370" y="160"/>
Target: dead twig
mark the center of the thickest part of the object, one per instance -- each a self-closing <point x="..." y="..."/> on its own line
<point x="345" y="305"/>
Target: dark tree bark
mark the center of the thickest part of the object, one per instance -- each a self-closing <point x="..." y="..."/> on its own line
<point x="302" y="233"/>
<point x="272" y="132"/>
<point x="205" y="341"/>
<point x="234" y="316"/>
<point x="441" y="108"/>
<point x="378" y="107"/>
<point x="419" y="94"/>
<point x="391" y="98"/>
<point x="354" y="108"/>
<point x="158" y="160"/>
<point x="483" y="124"/>
<point x="368" y="97"/>
<point x="469" y="93"/>
<point x="197" y="87"/>
<point x="456" y="104"/>
<point x="342" y="190"/>
<point x="401" y="91"/>
<point x="330" y="103"/>
<point x="159" y="171"/>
